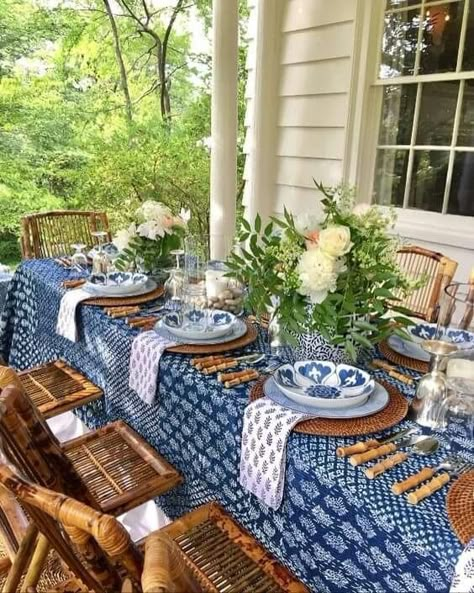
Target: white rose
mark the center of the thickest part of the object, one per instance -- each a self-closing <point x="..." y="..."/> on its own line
<point x="306" y="223"/>
<point x="156" y="211"/>
<point x="335" y="240"/>
<point x="318" y="274"/>
<point x="124" y="236"/>
<point x="151" y="230"/>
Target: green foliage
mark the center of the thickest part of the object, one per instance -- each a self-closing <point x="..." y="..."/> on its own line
<point x="349" y="313"/>
<point x="65" y="138"/>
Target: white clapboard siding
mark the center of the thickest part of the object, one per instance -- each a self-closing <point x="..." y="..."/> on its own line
<point x="306" y="14"/>
<point x="296" y="199"/>
<point x="309" y="45"/>
<point x="317" y="111"/>
<point x="327" y="143"/>
<point x="316" y="47"/>
<point x="312" y="78"/>
<point x="301" y="172"/>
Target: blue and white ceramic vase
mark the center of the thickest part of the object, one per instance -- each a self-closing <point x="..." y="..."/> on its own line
<point x="313" y="346"/>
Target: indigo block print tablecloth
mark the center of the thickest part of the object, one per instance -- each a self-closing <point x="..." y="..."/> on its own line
<point x="335" y="530"/>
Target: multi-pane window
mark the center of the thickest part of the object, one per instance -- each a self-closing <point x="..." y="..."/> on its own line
<point x="425" y="150"/>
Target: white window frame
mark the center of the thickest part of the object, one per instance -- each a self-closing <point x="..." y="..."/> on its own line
<point x="363" y="130"/>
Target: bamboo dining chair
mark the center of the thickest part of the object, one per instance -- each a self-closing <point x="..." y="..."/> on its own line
<point x="54" y="387"/>
<point x="205" y="550"/>
<point x="51" y="234"/>
<point x="419" y="263"/>
<point x="112" y="468"/>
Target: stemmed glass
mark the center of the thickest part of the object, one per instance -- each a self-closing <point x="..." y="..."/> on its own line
<point x="195" y="295"/>
<point x="174" y="285"/>
<point x="79" y="259"/>
<point x="456" y="412"/>
<point x="100" y="260"/>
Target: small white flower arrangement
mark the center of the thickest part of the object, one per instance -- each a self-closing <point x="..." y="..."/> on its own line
<point x="153" y="233"/>
<point x="335" y="273"/>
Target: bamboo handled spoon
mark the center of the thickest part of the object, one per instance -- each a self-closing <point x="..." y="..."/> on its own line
<point x="421" y="446"/>
<point x="436" y="483"/>
<point x="424" y="474"/>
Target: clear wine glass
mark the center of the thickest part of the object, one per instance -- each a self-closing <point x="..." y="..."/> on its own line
<point x="79" y="262"/>
<point x="456" y="414"/>
<point x="100" y="260"/>
<point x="174" y="285"/>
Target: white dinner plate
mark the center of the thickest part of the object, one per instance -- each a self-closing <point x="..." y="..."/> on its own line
<point x="377" y="401"/>
<point x="100" y="291"/>
<point x="239" y="329"/>
<point x="408" y="348"/>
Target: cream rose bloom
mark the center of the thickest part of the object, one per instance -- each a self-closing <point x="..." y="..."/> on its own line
<point x="152" y="229"/>
<point x="155" y="211"/>
<point x="318" y="274"/>
<point x="124" y="236"/>
<point x="335" y="240"/>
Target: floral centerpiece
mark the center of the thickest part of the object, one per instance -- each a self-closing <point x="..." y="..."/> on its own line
<point x="151" y="235"/>
<point x="334" y="274"/>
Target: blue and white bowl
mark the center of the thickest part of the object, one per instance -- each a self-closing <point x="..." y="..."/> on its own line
<point x="323" y="384"/>
<point x="199" y="324"/>
<point x="412" y="345"/>
<point x="427" y="331"/>
<point x="349" y="379"/>
<point x="116" y="283"/>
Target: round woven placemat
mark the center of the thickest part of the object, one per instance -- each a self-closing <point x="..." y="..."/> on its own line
<point x="392" y="414"/>
<point x="125" y="301"/>
<point x="406" y="361"/>
<point x="460" y="504"/>
<point x="249" y="337"/>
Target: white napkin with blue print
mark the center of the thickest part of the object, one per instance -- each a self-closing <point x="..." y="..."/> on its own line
<point x="463" y="580"/>
<point x="265" y="432"/>
<point x="66" y="325"/>
<point x="147" y="349"/>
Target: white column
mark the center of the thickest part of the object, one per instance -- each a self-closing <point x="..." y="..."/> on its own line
<point x="225" y="48"/>
<point x="260" y="193"/>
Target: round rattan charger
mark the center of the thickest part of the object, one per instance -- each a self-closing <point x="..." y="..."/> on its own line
<point x="392" y="414"/>
<point x="126" y="301"/>
<point x="460" y="504"/>
<point x="249" y="337"/>
<point x="406" y="361"/>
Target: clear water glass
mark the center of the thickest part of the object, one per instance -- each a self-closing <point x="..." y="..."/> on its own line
<point x="456" y="415"/>
<point x="174" y="285"/>
<point x="100" y="260"/>
<point x="79" y="262"/>
<point x="195" y="310"/>
<point x="456" y="309"/>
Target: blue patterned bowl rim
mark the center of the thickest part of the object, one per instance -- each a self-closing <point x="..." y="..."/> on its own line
<point x="118" y="279"/>
<point x="349" y="379"/>
<point x="427" y="331"/>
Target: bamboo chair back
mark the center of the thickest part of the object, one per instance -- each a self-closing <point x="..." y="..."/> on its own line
<point x="101" y="541"/>
<point x="104" y="546"/>
<point x="51" y="234"/>
<point x="419" y="263"/>
<point x="30" y="445"/>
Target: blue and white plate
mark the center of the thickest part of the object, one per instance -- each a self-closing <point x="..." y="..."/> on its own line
<point x="199" y="324"/>
<point x="323" y="384"/>
<point x="118" y="284"/>
<point x="376" y="402"/>
<point x="238" y="329"/>
<point x="427" y="331"/>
